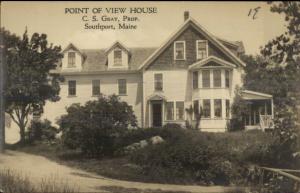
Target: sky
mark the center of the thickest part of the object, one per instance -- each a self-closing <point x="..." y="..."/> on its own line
<point x="227" y="20"/>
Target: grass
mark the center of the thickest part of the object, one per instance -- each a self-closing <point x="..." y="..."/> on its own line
<point x="12" y="182"/>
<point x="118" y="189"/>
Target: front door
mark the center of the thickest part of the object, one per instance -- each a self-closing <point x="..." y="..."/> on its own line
<point x="157" y="114"/>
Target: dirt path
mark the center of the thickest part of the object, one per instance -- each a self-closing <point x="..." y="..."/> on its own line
<point x="38" y="168"/>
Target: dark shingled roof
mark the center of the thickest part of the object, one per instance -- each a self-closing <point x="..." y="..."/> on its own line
<point x="96" y="59"/>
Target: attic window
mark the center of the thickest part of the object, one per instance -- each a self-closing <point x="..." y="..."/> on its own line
<point x="117" y="57"/>
<point x="71" y="59"/>
<point x="179" y="50"/>
<point x="202" y="49"/>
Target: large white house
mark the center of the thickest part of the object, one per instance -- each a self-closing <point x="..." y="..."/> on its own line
<point x="191" y="68"/>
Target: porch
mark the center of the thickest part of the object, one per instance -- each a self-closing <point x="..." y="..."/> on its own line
<point x="260" y="112"/>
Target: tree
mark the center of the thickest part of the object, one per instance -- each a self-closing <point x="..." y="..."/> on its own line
<point x="239" y="110"/>
<point x="93" y="127"/>
<point x="29" y="81"/>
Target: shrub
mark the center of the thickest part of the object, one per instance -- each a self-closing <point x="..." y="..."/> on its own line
<point x="197" y="157"/>
<point x="41" y="130"/>
<point x="239" y="109"/>
<point x="94" y="127"/>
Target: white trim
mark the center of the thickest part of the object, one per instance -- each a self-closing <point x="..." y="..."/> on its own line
<point x="257" y="93"/>
<point x="114" y="44"/>
<point x="184" y="50"/>
<point x="198" y="41"/>
<point x="201" y="63"/>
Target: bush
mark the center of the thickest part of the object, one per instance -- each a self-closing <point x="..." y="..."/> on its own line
<point x="196" y="157"/>
<point x="239" y="109"/>
<point x="41" y="130"/>
<point x="94" y="127"/>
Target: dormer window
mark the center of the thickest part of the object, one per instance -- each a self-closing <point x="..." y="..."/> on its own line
<point x="117" y="57"/>
<point x="202" y="49"/>
<point x="179" y="50"/>
<point x="71" y="59"/>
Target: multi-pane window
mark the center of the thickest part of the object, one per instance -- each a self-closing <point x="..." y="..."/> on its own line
<point x="205" y="78"/>
<point x="217" y="78"/>
<point x="96" y="87"/>
<point x="158" y="82"/>
<point x="195" y="80"/>
<point x="179" y="110"/>
<point x="72" y="87"/>
<point x="227" y="78"/>
<point x="218" y="108"/>
<point x="170" y="111"/>
<point x="71" y="59"/>
<point x="122" y="86"/>
<point x="117" y="57"/>
<point x="201" y="49"/>
<point x="227" y="108"/>
<point x="179" y="48"/>
<point x="206" y="108"/>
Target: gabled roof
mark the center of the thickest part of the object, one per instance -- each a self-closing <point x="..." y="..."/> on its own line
<point x="209" y="59"/>
<point x="72" y="46"/>
<point x="119" y="44"/>
<point x="205" y="33"/>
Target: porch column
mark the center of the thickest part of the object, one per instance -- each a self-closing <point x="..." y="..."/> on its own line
<point x="272" y="108"/>
<point x="149" y="116"/>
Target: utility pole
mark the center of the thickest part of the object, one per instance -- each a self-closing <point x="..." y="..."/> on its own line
<point x="2" y="86"/>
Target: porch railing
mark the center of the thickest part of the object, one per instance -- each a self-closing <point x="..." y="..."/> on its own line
<point x="266" y="121"/>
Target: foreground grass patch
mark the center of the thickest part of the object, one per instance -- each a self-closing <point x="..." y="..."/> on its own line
<point x="13" y="182"/>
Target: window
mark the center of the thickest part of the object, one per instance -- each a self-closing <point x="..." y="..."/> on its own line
<point x="195" y="80"/>
<point x="206" y="108"/>
<point x="71" y="59"/>
<point x="196" y="108"/>
<point x="118" y="57"/>
<point x="227" y="78"/>
<point x="158" y="82"/>
<point x="218" y="108"/>
<point x="170" y="111"/>
<point x="202" y="49"/>
<point x="179" y="110"/>
<point x="217" y="78"/>
<point x="179" y="50"/>
<point x="122" y="87"/>
<point x="205" y="78"/>
<point x="72" y="87"/>
<point x="227" y="108"/>
<point x="96" y="87"/>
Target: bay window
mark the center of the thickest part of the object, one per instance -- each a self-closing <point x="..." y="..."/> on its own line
<point x="206" y="108"/>
<point x="217" y="78"/>
<point x="218" y="108"/>
<point x="205" y="78"/>
<point x="195" y="80"/>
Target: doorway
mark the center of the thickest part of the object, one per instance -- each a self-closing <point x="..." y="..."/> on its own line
<point x="156" y="114"/>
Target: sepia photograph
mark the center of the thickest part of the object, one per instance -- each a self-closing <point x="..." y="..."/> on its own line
<point x="150" y="97"/>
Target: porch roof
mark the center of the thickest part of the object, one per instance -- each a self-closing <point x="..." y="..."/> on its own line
<point x="252" y="95"/>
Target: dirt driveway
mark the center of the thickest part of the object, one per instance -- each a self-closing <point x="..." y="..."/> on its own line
<point x="38" y="168"/>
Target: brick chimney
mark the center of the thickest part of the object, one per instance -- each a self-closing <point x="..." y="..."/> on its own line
<point x="186" y="15"/>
